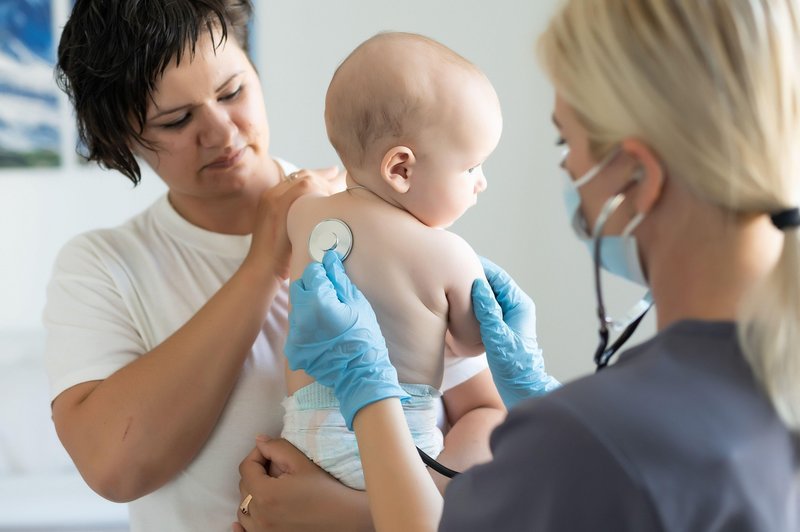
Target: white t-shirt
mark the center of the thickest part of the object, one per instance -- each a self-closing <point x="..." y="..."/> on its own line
<point x="117" y="293"/>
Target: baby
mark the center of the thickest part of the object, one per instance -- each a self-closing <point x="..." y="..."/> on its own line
<point x="412" y="122"/>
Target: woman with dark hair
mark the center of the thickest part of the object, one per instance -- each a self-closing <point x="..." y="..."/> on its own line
<point x="165" y="334"/>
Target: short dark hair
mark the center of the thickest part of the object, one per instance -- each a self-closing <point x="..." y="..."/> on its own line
<point x="112" y="53"/>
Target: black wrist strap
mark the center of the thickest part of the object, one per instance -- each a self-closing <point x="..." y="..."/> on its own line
<point x="787" y="218"/>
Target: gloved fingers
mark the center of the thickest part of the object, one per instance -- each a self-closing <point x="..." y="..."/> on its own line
<point x="508" y="294"/>
<point x="491" y="269"/>
<point x="313" y="278"/>
<point x="316" y="313"/>
<point x="334" y="269"/>
<point x="486" y="309"/>
<point x="313" y="287"/>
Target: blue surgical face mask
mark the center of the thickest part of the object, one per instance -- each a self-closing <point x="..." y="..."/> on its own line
<point x="619" y="254"/>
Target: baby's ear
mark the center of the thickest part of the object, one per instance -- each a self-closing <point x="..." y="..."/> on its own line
<point x="396" y="167"/>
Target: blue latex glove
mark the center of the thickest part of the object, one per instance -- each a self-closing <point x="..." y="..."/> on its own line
<point x="507" y="318"/>
<point x="334" y="337"/>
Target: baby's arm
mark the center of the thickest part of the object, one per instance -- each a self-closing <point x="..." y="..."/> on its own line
<point x="300" y="220"/>
<point x="463" y="333"/>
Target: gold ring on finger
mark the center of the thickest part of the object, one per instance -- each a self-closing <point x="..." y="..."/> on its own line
<point x="245" y="506"/>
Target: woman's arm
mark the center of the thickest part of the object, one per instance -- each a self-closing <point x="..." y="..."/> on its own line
<point x="296" y="494"/>
<point x="292" y="493"/>
<point x="402" y="495"/>
<point x="132" y="432"/>
<point x="392" y="468"/>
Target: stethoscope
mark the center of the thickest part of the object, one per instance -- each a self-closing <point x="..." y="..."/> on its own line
<point x="333" y="234"/>
<point x="635" y="315"/>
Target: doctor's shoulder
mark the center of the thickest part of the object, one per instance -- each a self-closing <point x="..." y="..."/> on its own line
<point x="550" y="471"/>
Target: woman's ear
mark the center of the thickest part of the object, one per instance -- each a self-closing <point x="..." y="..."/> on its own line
<point x="136" y="148"/>
<point x="649" y="173"/>
<point x="396" y="168"/>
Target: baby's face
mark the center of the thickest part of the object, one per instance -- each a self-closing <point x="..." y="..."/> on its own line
<point x="449" y="170"/>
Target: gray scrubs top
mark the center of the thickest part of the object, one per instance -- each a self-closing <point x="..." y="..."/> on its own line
<point x="676" y="436"/>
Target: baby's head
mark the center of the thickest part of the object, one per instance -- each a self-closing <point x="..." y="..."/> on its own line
<point x="413" y="122"/>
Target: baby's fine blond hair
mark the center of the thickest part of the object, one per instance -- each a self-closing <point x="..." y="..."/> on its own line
<point x="386" y="90"/>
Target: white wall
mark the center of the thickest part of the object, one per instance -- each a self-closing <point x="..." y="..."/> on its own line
<point x="519" y="222"/>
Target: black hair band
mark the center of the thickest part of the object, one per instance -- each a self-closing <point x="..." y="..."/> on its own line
<point x="787" y="218"/>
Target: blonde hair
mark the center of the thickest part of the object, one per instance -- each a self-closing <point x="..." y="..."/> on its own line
<point x="713" y="87"/>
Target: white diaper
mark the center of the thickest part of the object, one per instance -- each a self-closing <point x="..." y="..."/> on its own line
<point x="313" y="424"/>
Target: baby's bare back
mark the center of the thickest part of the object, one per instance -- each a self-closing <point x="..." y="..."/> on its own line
<point x="407" y="270"/>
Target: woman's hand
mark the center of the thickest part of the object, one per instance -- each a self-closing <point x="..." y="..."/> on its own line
<point x="270" y="246"/>
<point x="289" y="492"/>
<point x="334" y="336"/>
<point x="507" y="318"/>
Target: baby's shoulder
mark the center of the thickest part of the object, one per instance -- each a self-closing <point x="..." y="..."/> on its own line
<point x="450" y="244"/>
<point x="449" y="255"/>
<point x="304" y="212"/>
<point x="307" y="204"/>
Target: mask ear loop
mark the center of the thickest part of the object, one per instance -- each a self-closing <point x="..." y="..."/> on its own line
<point x="599" y="167"/>
<point x="631" y="226"/>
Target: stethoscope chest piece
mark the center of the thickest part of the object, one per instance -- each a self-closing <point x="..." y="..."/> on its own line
<point x="330" y="234"/>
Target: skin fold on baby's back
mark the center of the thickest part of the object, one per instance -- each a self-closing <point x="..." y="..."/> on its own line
<point x="406" y="270"/>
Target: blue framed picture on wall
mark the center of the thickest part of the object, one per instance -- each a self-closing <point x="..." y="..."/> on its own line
<point x="29" y="99"/>
<point x="30" y="115"/>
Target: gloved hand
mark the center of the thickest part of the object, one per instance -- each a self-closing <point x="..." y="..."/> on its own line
<point x="507" y="318"/>
<point x="334" y="336"/>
